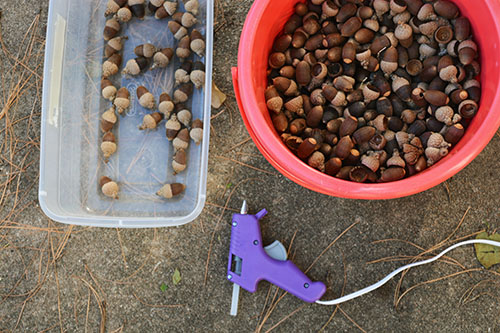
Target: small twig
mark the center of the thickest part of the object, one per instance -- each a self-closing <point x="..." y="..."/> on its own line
<point x="121" y="248"/>
<point x="247" y="165"/>
<point x="351" y="320"/>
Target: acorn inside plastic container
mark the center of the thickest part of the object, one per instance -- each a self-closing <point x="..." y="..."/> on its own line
<point x="265" y="22"/>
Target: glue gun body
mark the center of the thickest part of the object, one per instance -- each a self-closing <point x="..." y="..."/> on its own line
<point x="249" y="263"/>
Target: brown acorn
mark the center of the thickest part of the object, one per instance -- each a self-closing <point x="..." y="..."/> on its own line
<point x="179" y="162"/>
<point x="282" y="43"/>
<point x="122" y="100"/>
<point x="462" y="28"/>
<point x="277" y="60"/>
<point x="124" y="14"/>
<point x="358" y="174"/>
<point x="112" y="65"/>
<point x="273" y="99"/>
<point x="197" y="75"/>
<point x="473" y="88"/>
<point x="181" y="140"/>
<point x="166" y="105"/>
<point x="343" y="147"/>
<point x="151" y="121"/>
<point x="173" y="126"/>
<point x="317" y="161"/>
<point x="443" y="34"/>
<point x="138" y="8"/>
<point x="108" y="187"/>
<point x="167" y="9"/>
<point x="447" y="70"/>
<point x="111" y="29"/>
<point x="280" y="122"/>
<point x="114" y="45"/>
<point x="135" y="66"/>
<point x="288" y="72"/>
<point x="162" y="58"/>
<point x="146" y="99"/>
<point x="310" y="24"/>
<point x="154" y="5"/>
<point x="314" y="116"/>
<point x="392" y="174"/>
<point x="349" y="125"/>
<point x="185" y="18"/>
<point x="467" y="52"/>
<point x="108" y="119"/>
<point x="168" y="191"/>
<point x="389" y="61"/>
<point x="351" y="26"/>
<point x="286" y="86"/>
<point x="348" y="53"/>
<point x="435" y="97"/>
<point x="108" y="90"/>
<point x="402" y="88"/>
<point x="446" y="9"/>
<point x="454" y="133"/>
<point x="345" y="12"/>
<point x="182" y="74"/>
<point x="108" y="145"/>
<point x="113" y="6"/>
<point x="145" y="50"/>
<point x="314" y="42"/>
<point x="468" y="108"/>
<point x="379" y="43"/>
<point x="344" y="172"/>
<point x="182" y="94"/>
<point x="333" y="166"/>
<point x="192" y="6"/>
<point x="344" y="83"/>
<point x="306" y="148"/>
<point x="196" y="132"/>
<point x="295" y="105"/>
<point x="414" y="67"/>
<point x="177" y="30"/>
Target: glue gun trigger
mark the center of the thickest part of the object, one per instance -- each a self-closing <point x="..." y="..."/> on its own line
<point x="276" y="250"/>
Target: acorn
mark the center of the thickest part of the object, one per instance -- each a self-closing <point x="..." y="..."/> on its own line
<point x="145" y="50"/>
<point x="286" y="86"/>
<point x="108" y="90"/>
<point x="346" y="11"/>
<point x="447" y="70"/>
<point x="395" y="123"/>
<point x="135" y="66"/>
<point x="454" y="133"/>
<point x="181" y="140"/>
<point x="183" y="51"/>
<point x="358" y="174"/>
<point x="166" y="105"/>
<point x="306" y="148"/>
<point x="371" y="161"/>
<point x="111" y="29"/>
<point x="473" y="88"/>
<point x="108" y="119"/>
<point x="409" y="116"/>
<point x="197" y="75"/>
<point x="167" y="9"/>
<point x="154" y="5"/>
<point x="417" y="127"/>
<point x="333" y="166"/>
<point x="433" y="125"/>
<point x="317" y="161"/>
<point x="113" y="6"/>
<point x="392" y="174"/>
<point x="124" y="15"/>
<point x="273" y="99"/>
<point x="177" y="30"/>
<point x="277" y="60"/>
<point x="370" y="92"/>
<point x="197" y="43"/>
<point x="403" y="32"/>
<point x="443" y="34"/>
<point x="146" y="99"/>
<point x="389" y="61"/>
<point x="381" y="7"/>
<point x="112" y="65"/>
<point x="192" y="6"/>
<point x="282" y="43"/>
<point x="179" y="161"/>
<point x="182" y="73"/>
<point x="172" y="126"/>
<point x="300" y="37"/>
<point x="280" y="122"/>
<point x="348" y="52"/>
<point x="196" y="132"/>
<point x="462" y="28"/>
<point x="168" y="191"/>
<point x="467" y="52"/>
<point x="184" y="116"/>
<point x="468" y="108"/>
<point x="429" y="29"/>
<point x="288" y="72"/>
<point x="350" y="27"/>
<point x="343" y="147"/>
<point x="162" y="58"/>
<point x="122" y="100"/>
<point x="402" y="88"/>
<point x="303" y="73"/>
<point x="363" y="134"/>
<point x="426" y="13"/>
<point x="349" y="125"/>
<point x="435" y="97"/>
<point x="294" y="105"/>
<point x="151" y="121"/>
<point x="108" y="187"/>
<point x="310" y="23"/>
<point x="344" y="83"/>
<point x="396" y="160"/>
<point x="446" y="9"/>
<point x="377" y="142"/>
<point x="114" y="45"/>
<point x="417" y="97"/>
<point x="181" y="94"/>
<point x="108" y="145"/>
<point x="186" y="19"/>
<point x="138" y="8"/>
<point x="344" y="172"/>
<point x="435" y="154"/>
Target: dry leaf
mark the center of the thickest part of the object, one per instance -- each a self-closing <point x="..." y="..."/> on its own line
<point x="488" y="255"/>
<point x="218" y="97"/>
<point x="176" y="278"/>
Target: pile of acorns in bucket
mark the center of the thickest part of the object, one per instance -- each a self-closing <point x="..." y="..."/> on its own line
<point x="179" y="127"/>
<point x="373" y="90"/>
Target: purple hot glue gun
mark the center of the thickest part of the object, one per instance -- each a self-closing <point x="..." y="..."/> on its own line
<point x="250" y="262"/>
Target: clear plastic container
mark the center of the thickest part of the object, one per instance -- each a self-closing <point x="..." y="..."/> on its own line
<point x="71" y="163"/>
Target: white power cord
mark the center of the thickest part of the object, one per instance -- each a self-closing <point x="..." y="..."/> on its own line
<point x="399" y="270"/>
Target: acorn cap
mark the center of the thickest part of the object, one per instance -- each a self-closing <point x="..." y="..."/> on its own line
<point x="162" y="58"/>
<point x="113" y="6"/>
<point x="109" y="188"/>
<point x="124" y="14"/>
<point x="198" y="75"/>
<point x="468" y="108"/>
<point x="108" y="89"/>
<point x="169" y="191"/>
<point x="403" y="31"/>
<point x="146" y="50"/>
<point x="108" y="148"/>
<point x="183" y="92"/>
<point x="170" y="7"/>
<point x="111" y="65"/>
<point x="192" y="6"/>
<point x="196" y="132"/>
<point x="113" y="46"/>
<point x="184" y="116"/>
<point x="135" y="66"/>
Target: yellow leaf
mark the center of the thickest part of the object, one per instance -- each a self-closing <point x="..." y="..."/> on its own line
<point x="488" y="255"/>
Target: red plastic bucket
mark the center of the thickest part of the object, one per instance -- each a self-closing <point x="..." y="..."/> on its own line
<point x="265" y="21"/>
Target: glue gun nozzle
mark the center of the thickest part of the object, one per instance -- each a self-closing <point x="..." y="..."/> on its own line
<point x="244" y="207"/>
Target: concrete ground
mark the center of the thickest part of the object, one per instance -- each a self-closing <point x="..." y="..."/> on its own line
<point x="60" y="278"/>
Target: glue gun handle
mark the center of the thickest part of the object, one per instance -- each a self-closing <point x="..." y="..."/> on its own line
<point x="289" y="277"/>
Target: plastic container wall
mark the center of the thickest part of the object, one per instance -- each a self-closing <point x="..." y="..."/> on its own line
<point x="265" y="21"/>
<point x="71" y="162"/>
